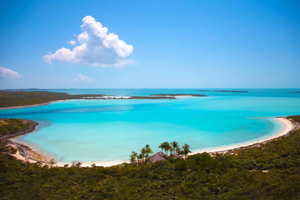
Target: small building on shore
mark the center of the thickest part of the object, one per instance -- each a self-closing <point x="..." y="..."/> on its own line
<point x="160" y="156"/>
<point x="177" y="156"/>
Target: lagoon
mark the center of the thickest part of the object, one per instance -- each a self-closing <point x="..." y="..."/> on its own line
<point x="108" y="130"/>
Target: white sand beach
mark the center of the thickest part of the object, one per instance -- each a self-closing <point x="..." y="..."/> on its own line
<point x="287" y="126"/>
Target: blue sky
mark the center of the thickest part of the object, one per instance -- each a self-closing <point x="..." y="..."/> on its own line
<point x="167" y="44"/>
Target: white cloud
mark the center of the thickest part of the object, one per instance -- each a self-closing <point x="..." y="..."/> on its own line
<point x="8" y="73"/>
<point x="97" y="47"/>
<point x="72" y="42"/>
<point x="83" y="78"/>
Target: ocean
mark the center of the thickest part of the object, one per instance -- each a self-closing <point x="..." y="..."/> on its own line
<point x="109" y="130"/>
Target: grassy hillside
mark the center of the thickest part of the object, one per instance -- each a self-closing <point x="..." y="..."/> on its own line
<point x="271" y="171"/>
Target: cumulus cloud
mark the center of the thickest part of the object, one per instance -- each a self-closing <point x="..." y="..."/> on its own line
<point x="83" y="78"/>
<point x="97" y="47"/>
<point x="72" y="42"/>
<point x="8" y="73"/>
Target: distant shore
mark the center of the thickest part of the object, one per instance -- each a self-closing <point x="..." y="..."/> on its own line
<point x="33" y="105"/>
<point x="130" y="98"/>
<point x="287" y="126"/>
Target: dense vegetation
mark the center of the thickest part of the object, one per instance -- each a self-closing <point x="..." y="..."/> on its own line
<point x="271" y="171"/>
<point x="25" y="98"/>
<point x="13" y="126"/>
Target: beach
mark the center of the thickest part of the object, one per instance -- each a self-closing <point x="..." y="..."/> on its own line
<point x="287" y="126"/>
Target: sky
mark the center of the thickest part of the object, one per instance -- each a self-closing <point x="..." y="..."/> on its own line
<point x="149" y="44"/>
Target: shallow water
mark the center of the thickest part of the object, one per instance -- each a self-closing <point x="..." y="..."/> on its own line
<point x="105" y="130"/>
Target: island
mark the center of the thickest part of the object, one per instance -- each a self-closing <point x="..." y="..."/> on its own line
<point x="238" y="91"/>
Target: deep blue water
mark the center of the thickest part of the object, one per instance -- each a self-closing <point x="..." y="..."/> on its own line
<point x="103" y="130"/>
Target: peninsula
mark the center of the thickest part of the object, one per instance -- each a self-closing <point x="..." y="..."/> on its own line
<point x="19" y="99"/>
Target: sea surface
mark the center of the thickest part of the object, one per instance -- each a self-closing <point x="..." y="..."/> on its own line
<point x="108" y="130"/>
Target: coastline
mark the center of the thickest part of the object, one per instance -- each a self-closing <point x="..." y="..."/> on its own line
<point x="287" y="126"/>
<point x="25" y="152"/>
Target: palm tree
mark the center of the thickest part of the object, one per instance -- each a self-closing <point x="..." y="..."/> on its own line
<point x="144" y="152"/>
<point x="163" y="146"/>
<point x="178" y="150"/>
<point x="167" y="148"/>
<point x="186" y="149"/>
<point x="171" y="150"/>
<point x="174" y="144"/>
<point x="133" y="156"/>
<point x="148" y="150"/>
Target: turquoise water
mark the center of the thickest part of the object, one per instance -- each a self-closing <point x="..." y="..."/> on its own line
<point x="106" y="130"/>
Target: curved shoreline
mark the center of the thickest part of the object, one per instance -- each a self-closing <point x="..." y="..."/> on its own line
<point x="25" y="152"/>
<point x="287" y="127"/>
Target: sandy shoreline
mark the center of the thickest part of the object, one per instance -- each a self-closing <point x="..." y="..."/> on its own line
<point x="286" y="124"/>
<point x="287" y="127"/>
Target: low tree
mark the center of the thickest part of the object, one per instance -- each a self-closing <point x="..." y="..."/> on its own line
<point x="52" y="162"/>
<point x="133" y="156"/>
<point x="148" y="151"/>
<point x="140" y="157"/>
<point x="76" y="164"/>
